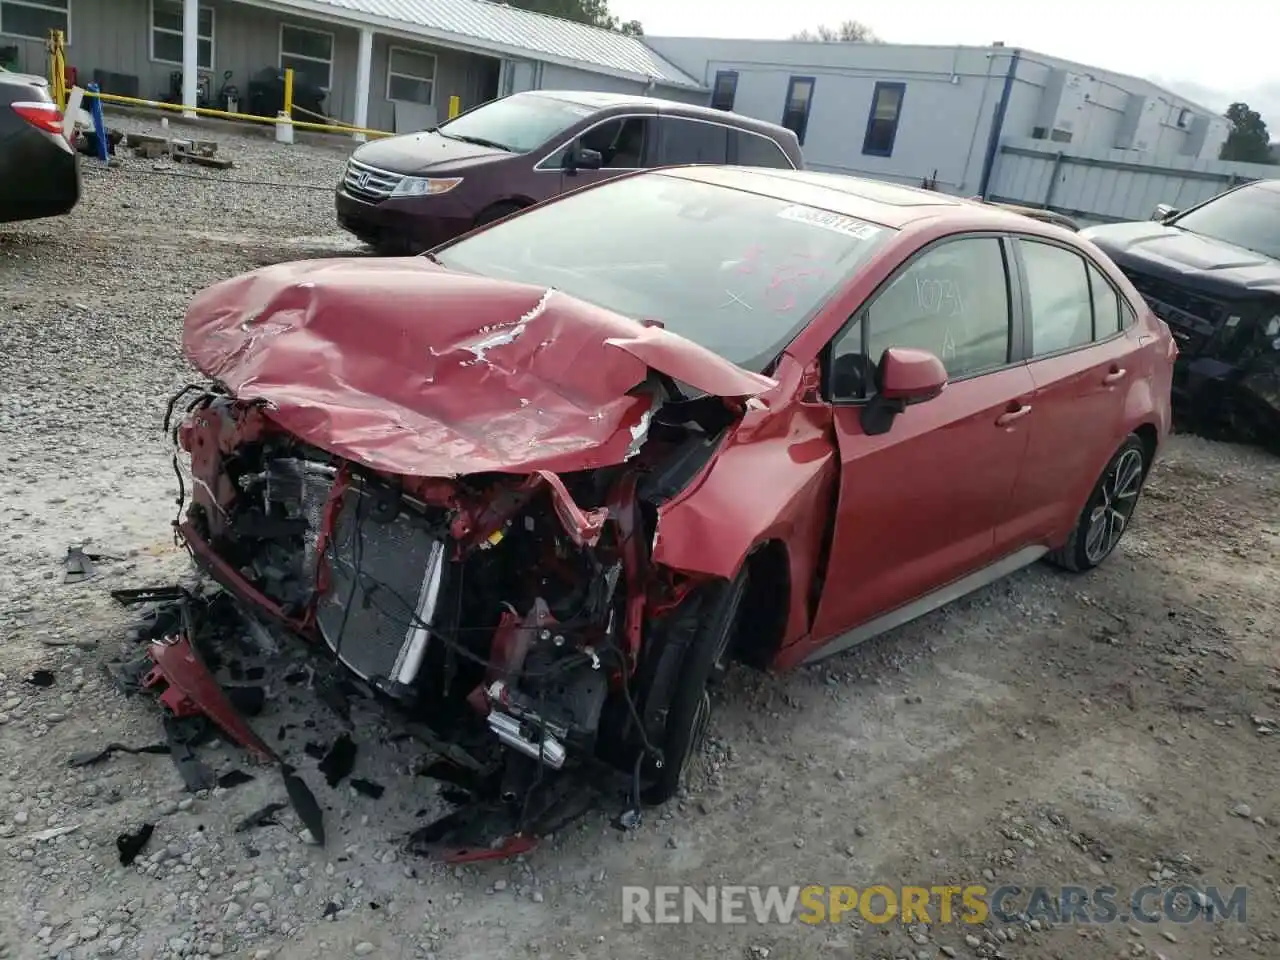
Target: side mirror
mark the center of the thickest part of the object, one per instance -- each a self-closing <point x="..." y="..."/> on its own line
<point x="1164" y="211"/>
<point x="582" y="158"/>
<point x="903" y="378"/>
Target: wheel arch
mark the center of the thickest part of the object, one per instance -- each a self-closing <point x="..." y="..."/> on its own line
<point x="1150" y="438"/>
<point x="767" y="604"/>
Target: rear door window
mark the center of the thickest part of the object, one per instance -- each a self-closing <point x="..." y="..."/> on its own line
<point x="757" y="151"/>
<point x="1061" y="303"/>
<point x="692" y="141"/>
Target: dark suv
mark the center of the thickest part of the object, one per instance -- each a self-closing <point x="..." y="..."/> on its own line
<point x="411" y="192"/>
<point x="1212" y="272"/>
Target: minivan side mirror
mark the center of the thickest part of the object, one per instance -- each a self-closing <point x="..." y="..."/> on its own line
<point x="904" y="377"/>
<point x="1164" y="211"/>
<point x="582" y="158"/>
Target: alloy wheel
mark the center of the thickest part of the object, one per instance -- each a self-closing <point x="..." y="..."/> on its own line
<point x="1117" y="498"/>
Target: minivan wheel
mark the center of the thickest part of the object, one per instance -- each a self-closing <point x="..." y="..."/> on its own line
<point x="1106" y="516"/>
<point x="496" y="212"/>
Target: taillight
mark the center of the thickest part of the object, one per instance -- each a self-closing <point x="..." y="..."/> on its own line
<point x="43" y="116"/>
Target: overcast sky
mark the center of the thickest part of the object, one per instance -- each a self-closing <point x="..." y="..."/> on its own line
<point x="1213" y="53"/>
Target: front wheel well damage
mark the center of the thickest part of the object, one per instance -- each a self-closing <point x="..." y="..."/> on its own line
<point x="763" y="622"/>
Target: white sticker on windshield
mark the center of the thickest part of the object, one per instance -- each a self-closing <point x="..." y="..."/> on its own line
<point x="849" y="226"/>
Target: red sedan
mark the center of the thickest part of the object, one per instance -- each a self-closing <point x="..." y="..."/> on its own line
<point x="546" y="482"/>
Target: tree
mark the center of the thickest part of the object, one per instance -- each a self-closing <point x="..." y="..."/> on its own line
<point x="593" y="12"/>
<point x="850" y="31"/>
<point x="1248" y="141"/>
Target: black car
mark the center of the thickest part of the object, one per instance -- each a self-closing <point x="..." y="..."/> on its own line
<point x="1212" y="272"/>
<point x="39" y="170"/>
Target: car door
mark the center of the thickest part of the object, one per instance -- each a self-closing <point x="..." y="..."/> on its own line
<point x="624" y="144"/>
<point x="919" y="504"/>
<point x="1081" y="361"/>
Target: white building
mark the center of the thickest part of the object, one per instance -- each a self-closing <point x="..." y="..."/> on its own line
<point x="906" y="113"/>
<point x="909" y="113"/>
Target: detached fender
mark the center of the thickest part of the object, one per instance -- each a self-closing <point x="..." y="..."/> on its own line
<point x="774" y="480"/>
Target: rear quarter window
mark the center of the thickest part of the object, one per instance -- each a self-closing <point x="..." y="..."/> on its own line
<point x="1107" y="319"/>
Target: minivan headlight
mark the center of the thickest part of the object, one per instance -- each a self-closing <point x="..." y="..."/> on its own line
<point x="425" y="186"/>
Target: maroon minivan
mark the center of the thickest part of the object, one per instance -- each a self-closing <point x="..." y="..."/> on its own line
<point x="411" y="192"/>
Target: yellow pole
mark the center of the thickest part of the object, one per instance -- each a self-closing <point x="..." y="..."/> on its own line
<point x="455" y="106"/>
<point x="58" y="69"/>
<point x="288" y="92"/>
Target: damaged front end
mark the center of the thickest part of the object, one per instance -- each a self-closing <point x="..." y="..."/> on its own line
<point x="454" y="484"/>
<point x="512" y="604"/>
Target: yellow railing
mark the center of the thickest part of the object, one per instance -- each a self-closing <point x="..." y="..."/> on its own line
<point x="58" y="85"/>
<point x="231" y="115"/>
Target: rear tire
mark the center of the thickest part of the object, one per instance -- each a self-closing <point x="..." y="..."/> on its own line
<point x="704" y="664"/>
<point x="1107" y="514"/>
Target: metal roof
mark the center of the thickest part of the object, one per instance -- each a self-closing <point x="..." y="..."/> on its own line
<point x="480" y="23"/>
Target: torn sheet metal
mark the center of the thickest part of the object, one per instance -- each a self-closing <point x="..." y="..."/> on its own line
<point x="192" y="691"/>
<point x="443" y="373"/>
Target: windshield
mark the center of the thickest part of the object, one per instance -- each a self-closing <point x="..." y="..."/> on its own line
<point x="1248" y="217"/>
<point x="518" y="123"/>
<point x="737" y="272"/>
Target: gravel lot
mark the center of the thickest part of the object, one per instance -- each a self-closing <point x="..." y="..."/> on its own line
<point x="1108" y="728"/>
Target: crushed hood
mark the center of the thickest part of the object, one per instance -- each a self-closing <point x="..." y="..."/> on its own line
<point x="416" y="370"/>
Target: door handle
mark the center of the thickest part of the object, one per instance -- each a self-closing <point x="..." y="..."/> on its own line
<point x="1011" y="415"/>
<point x="1115" y="376"/>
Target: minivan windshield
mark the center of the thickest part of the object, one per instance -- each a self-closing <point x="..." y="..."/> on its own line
<point x="739" y="273"/>
<point x="519" y="123"/>
<point x="1248" y="217"/>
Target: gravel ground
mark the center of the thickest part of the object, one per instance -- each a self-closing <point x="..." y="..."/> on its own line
<point x="1108" y="728"/>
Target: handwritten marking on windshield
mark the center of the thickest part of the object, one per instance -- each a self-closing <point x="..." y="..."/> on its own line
<point x="796" y="267"/>
<point x="734" y="298"/>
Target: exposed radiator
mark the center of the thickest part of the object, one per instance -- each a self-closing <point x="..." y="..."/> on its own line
<point x="386" y="579"/>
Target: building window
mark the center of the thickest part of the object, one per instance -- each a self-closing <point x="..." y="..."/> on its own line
<point x="166" y="34"/>
<point x="35" y="18"/>
<point x="308" y="52"/>
<point x="411" y="75"/>
<point x="724" y="90"/>
<point x="882" y="121"/>
<point x="795" y="113"/>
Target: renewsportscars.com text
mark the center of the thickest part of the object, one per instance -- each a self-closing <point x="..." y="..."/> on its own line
<point x="971" y="904"/>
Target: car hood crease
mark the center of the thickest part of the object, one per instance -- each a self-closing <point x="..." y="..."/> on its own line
<point x="420" y="371"/>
